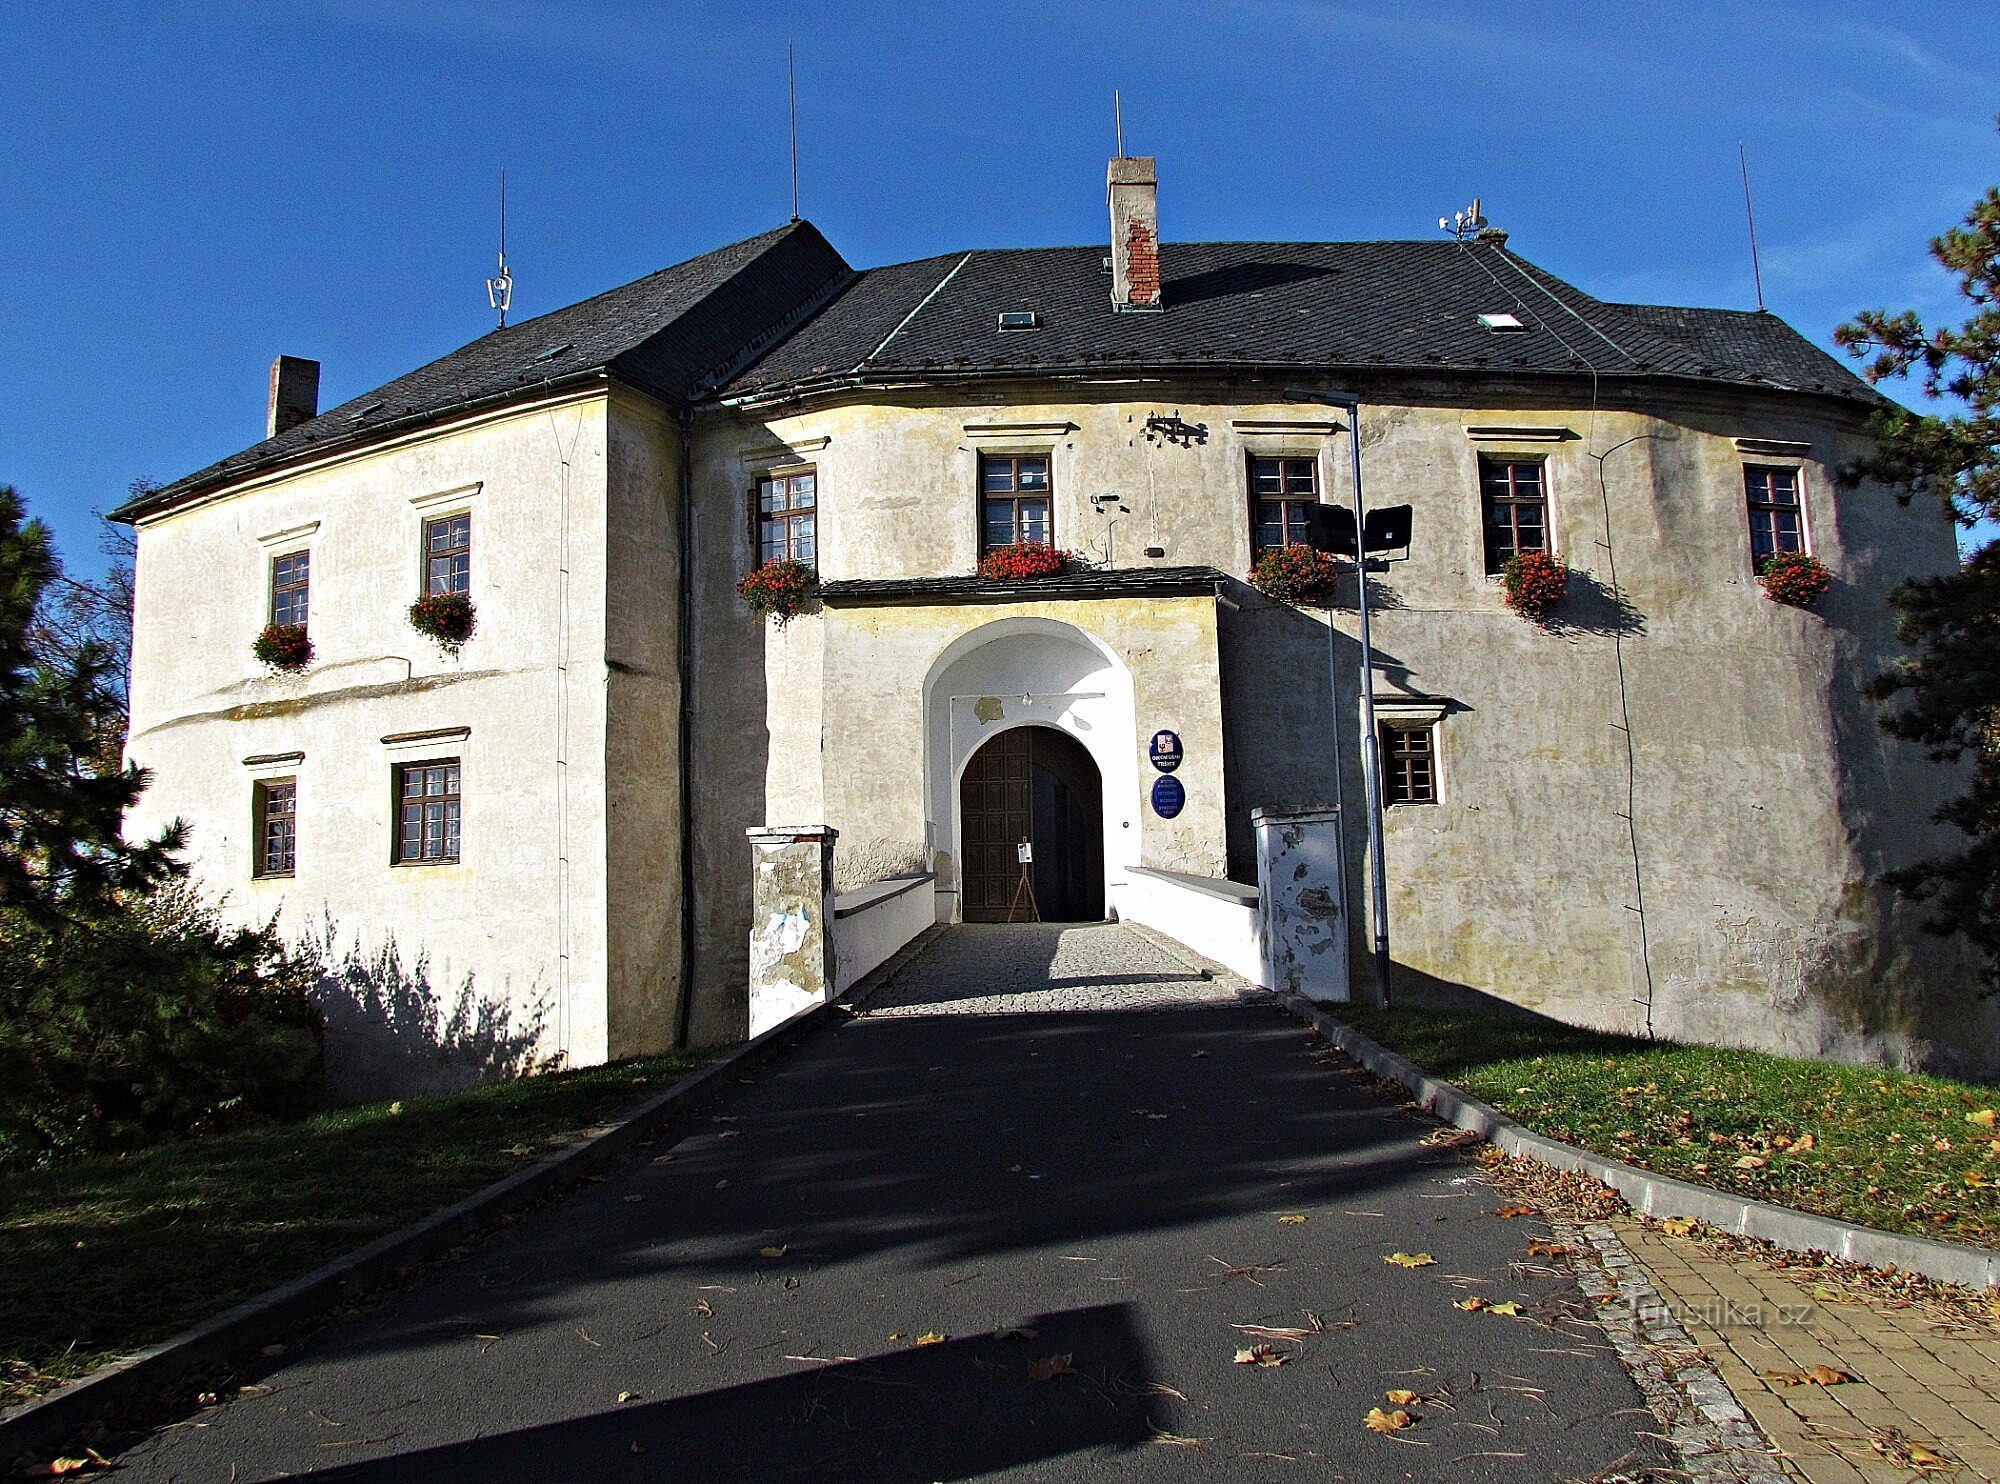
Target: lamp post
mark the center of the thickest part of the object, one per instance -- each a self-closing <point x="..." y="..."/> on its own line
<point x="1371" y="746"/>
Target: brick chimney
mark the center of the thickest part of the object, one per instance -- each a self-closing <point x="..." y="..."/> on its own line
<point x="1132" y="183"/>
<point x="294" y="394"/>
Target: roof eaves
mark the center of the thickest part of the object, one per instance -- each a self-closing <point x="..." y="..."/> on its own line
<point x="217" y="476"/>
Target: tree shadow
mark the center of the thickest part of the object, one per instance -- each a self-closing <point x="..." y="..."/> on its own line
<point x="960" y="1409"/>
<point x="391" y="1032"/>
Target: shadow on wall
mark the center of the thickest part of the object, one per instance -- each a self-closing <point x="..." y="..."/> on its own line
<point x="1591" y="607"/>
<point x="390" y="1032"/>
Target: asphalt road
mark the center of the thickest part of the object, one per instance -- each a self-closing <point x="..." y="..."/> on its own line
<point x="1066" y="1133"/>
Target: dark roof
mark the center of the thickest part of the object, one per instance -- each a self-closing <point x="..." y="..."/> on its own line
<point x="1083" y="582"/>
<point x="782" y="313"/>
<point x="1271" y="306"/>
<point x="675" y="333"/>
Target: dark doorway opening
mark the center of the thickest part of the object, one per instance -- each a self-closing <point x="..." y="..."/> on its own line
<point x="1038" y="786"/>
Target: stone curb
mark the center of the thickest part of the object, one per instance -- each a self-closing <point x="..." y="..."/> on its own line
<point x="1662" y="1195"/>
<point x="33" y="1432"/>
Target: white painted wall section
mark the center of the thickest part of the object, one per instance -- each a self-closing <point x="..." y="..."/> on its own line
<point x="872" y="924"/>
<point x="1217" y="919"/>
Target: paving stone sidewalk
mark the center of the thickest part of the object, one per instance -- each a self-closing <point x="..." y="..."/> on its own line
<point x="962" y="1237"/>
<point x="1924" y="1375"/>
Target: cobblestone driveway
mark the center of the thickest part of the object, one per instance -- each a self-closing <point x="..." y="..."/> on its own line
<point x="1044" y="967"/>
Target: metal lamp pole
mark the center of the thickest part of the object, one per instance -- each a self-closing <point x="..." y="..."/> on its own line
<point x="1371" y="746"/>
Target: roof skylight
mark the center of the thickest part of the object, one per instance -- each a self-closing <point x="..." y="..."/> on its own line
<point x="1020" y="319"/>
<point x="1500" y="320"/>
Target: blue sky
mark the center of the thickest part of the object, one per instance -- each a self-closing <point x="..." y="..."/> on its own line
<point x="192" y="188"/>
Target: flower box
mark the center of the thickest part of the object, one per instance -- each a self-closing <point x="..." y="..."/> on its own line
<point x="1795" y="579"/>
<point x="1534" y="583"/>
<point x="1022" y="560"/>
<point x="447" y="619"/>
<point x="283" y="647"/>
<point x="1295" y="575"/>
<point x="780" y="589"/>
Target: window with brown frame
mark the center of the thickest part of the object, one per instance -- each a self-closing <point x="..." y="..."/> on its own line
<point x="448" y="554"/>
<point x="427" y="812"/>
<point x="1514" y="509"/>
<point x="291" y="582"/>
<point x="1014" y="500"/>
<point x="788" y="517"/>
<point x="1409" y="765"/>
<point x="1777" y="523"/>
<point x="276" y="803"/>
<point x="1281" y="492"/>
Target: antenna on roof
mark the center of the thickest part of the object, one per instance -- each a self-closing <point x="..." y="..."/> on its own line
<point x="500" y="290"/>
<point x="1756" y="268"/>
<point x="792" y="85"/>
<point x="1464" y="224"/>
<point x="1118" y="121"/>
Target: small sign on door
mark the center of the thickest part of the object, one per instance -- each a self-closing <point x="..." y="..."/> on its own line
<point x="1024" y="852"/>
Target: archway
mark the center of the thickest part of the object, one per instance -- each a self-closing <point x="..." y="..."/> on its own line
<point x="1037" y="786"/>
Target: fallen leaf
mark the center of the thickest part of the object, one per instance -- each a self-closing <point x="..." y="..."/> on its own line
<point x="1509" y="1310"/>
<point x="627" y="1396"/>
<point x="1197" y="1053"/>
<point x="1542" y="1247"/>
<point x="1013" y="1332"/>
<point x="1819" y="1375"/>
<point x="1264" y="1355"/>
<point x="774" y="1251"/>
<point x="1803" y="1144"/>
<point x="1508" y="1213"/>
<point x="1293" y="1220"/>
<point x="932" y="1337"/>
<point x="1410" y="1260"/>
<point x="1677" y="1226"/>
<point x="730" y="1133"/>
<point x="1751" y="1162"/>
<point x="722" y="1185"/>
<point x="1984" y="1118"/>
<point x="1401" y="1398"/>
<point x="1378" y="1420"/>
<point x="1471" y="1305"/>
<point x="1049" y="1367"/>
<point x="1923" y="1457"/>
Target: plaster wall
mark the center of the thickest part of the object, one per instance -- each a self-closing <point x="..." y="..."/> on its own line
<point x="508" y="938"/>
<point x="1764" y="800"/>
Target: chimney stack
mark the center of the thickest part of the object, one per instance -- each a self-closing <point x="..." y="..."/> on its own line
<point x="294" y="394"/>
<point x="1133" y="186"/>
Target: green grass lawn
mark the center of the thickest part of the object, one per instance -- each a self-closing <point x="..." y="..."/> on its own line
<point x="107" y="1255"/>
<point x="1882" y="1148"/>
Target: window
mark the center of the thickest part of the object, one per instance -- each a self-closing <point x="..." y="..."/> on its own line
<point x="448" y="554"/>
<point x="291" y="577"/>
<point x="277" y="809"/>
<point x="1514" y="505"/>
<point x="1409" y="765"/>
<point x="1014" y="500"/>
<point x="1776" y="522"/>
<point x="1281" y="492"/>
<point x="787" y="517"/>
<point x="427" y="812"/>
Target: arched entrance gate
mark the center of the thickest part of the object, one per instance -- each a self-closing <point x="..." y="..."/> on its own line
<point x="1029" y="735"/>
<point x="1033" y="786"/>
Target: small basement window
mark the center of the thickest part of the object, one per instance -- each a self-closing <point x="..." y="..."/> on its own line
<point x="1020" y="319"/>
<point x="1499" y="320"/>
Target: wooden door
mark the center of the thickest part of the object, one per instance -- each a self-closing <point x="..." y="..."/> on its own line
<point x="996" y="813"/>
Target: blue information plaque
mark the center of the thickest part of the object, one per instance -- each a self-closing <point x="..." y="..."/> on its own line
<point x="1165" y="750"/>
<point x="1169" y="798"/>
